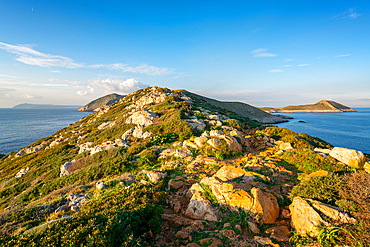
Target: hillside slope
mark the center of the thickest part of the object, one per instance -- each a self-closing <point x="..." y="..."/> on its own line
<point x="101" y="102"/>
<point x="241" y="109"/>
<point x="321" y="106"/>
<point x="164" y="167"/>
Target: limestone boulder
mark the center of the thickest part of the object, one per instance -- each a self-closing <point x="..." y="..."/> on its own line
<point x="200" y="208"/>
<point x="349" y="157"/>
<point x="100" y="185"/>
<point x="22" y="172"/>
<point x="265" y="205"/>
<point x="200" y="141"/>
<point x="215" y="143"/>
<point x="127" y="134"/>
<point x="104" y="146"/>
<point x="285" y="146"/>
<point x="142" y="118"/>
<point x="216" y="133"/>
<point x="182" y="152"/>
<point x="85" y="147"/>
<point x="154" y="176"/>
<point x="230" y="172"/>
<point x="138" y="133"/>
<point x="190" y="144"/>
<point x="56" y="142"/>
<point x="367" y="167"/>
<point x="197" y="124"/>
<point x="232" y="143"/>
<point x="106" y="125"/>
<point x="306" y="215"/>
<point x="65" y="169"/>
<point x="121" y="143"/>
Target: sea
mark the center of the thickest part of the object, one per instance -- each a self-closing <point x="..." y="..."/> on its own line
<point x="22" y="127"/>
<point x="343" y="129"/>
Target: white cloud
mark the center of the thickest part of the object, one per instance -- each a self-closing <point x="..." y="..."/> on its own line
<point x="9" y="76"/>
<point x="30" y="56"/>
<point x="114" y="85"/>
<point x="302" y="65"/>
<point x="349" y="13"/>
<point x="287" y="65"/>
<point x="142" y="69"/>
<point x="345" y="55"/>
<point x="262" y="52"/>
<point x="31" y="96"/>
<point x="321" y="57"/>
<point x="55" y="71"/>
<point x="77" y="83"/>
<point x="276" y="70"/>
<point x="288" y="59"/>
<point x="27" y="55"/>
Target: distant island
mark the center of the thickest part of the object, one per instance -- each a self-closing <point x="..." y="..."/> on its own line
<point x="101" y="102"/>
<point x="321" y="106"/>
<point x="42" y="106"/>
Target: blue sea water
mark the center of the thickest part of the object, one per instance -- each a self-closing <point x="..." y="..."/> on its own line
<point x="345" y="129"/>
<point x="21" y="127"/>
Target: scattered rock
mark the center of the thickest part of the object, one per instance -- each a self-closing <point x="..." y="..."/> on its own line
<point x="85" y="147"/>
<point x="121" y="143"/>
<point x="367" y="167"/>
<point x="200" y="208"/>
<point x="106" y="125"/>
<point x="200" y="141"/>
<point x="142" y="118"/>
<point x="65" y="169"/>
<point x="265" y="241"/>
<point x="100" y="185"/>
<point x="175" y="184"/>
<point x="56" y="142"/>
<point x="22" y="172"/>
<point x="253" y="227"/>
<point x="197" y="124"/>
<point x="280" y="233"/>
<point x="154" y="176"/>
<point x="349" y="157"/>
<point x="232" y="143"/>
<point x="215" y="143"/>
<point x="284" y="145"/>
<point x="108" y="145"/>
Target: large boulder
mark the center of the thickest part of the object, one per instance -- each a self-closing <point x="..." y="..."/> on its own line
<point x="232" y="143"/>
<point x="22" y="172"/>
<point x="154" y="176"/>
<point x="200" y="141"/>
<point x="215" y="143"/>
<point x="349" y="157"/>
<point x="307" y="214"/>
<point x="236" y="196"/>
<point x="65" y="168"/>
<point x="230" y="172"/>
<point x="142" y="118"/>
<point x="200" y="208"/>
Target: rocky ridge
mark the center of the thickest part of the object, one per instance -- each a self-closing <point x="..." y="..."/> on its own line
<point x="168" y="168"/>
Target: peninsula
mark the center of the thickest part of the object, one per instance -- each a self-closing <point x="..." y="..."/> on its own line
<point x="101" y="102"/>
<point x="321" y="106"/>
<point x="164" y="167"/>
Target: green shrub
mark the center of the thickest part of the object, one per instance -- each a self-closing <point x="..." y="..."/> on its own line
<point x="233" y="123"/>
<point x="216" y="128"/>
<point x="322" y="188"/>
<point x="164" y="139"/>
<point x="307" y="160"/>
<point x="200" y="115"/>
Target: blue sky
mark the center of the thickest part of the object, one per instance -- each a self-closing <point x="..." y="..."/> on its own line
<point x="265" y="53"/>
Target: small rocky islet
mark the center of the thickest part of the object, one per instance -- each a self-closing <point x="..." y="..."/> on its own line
<point x="164" y="167"/>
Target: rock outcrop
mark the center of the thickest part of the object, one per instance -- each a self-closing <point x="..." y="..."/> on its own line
<point x="349" y="157"/>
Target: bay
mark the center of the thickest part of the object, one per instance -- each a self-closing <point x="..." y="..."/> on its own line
<point x="21" y="127"/>
<point x="345" y="129"/>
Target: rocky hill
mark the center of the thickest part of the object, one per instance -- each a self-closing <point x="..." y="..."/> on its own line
<point x="101" y="102"/>
<point x="169" y="168"/>
<point x="321" y="106"/>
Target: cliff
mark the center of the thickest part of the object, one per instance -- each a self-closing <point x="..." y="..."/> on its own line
<point x="164" y="167"/>
<point x="101" y="102"/>
<point x="321" y="106"/>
